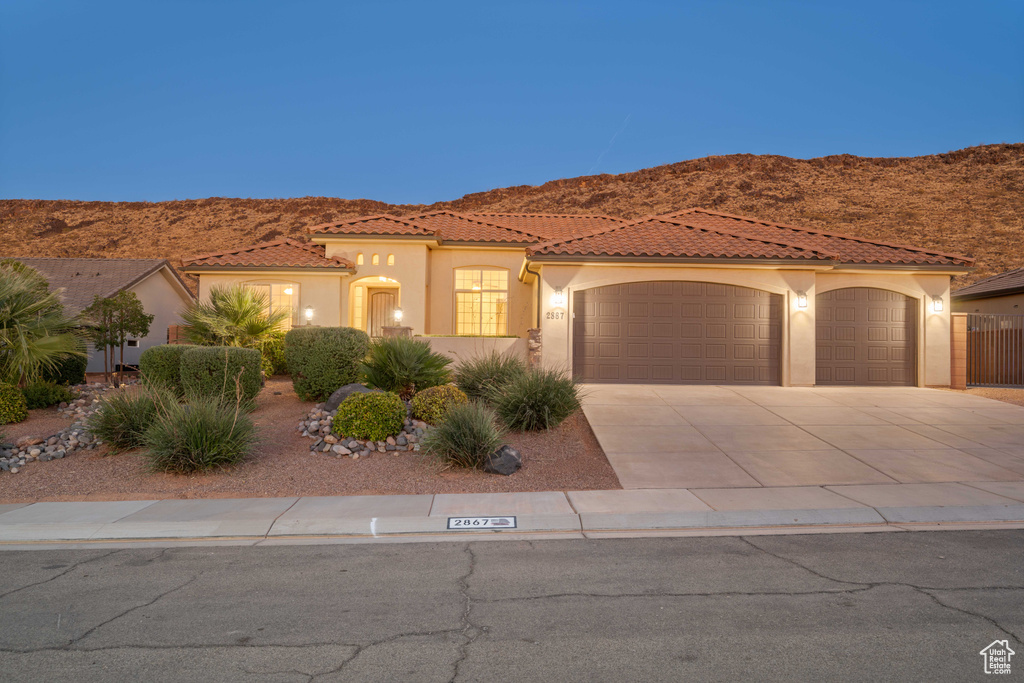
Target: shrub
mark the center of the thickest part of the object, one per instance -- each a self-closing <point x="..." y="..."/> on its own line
<point x="206" y="433"/>
<point x="465" y="437"/>
<point x="404" y="365"/>
<point x="229" y="373"/>
<point x="272" y="350"/>
<point x="161" y="365"/>
<point x="125" y="415"/>
<point x="538" y="399"/>
<point x="45" y="394"/>
<point x="430" y="405"/>
<point x="480" y="375"/>
<point x="376" y="416"/>
<point x="321" y="359"/>
<point x="13" y="407"/>
<point x="67" y="371"/>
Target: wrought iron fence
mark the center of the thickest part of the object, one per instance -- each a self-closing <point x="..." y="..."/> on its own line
<point x="995" y="350"/>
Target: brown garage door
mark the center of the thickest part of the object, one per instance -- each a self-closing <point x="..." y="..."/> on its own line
<point x="676" y="333"/>
<point x="866" y="337"/>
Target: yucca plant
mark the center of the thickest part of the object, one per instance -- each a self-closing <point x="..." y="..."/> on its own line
<point x="404" y="366"/>
<point x="480" y="375"/>
<point x="125" y="414"/>
<point x="465" y="436"/>
<point x="538" y="399"/>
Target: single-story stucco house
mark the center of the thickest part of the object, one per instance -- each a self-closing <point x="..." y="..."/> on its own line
<point x="1002" y="293"/>
<point x="156" y="284"/>
<point x="695" y="296"/>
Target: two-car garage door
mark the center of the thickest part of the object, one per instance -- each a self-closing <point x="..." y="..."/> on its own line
<point x="706" y="333"/>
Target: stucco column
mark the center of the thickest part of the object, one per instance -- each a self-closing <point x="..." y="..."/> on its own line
<point x="799" y="334"/>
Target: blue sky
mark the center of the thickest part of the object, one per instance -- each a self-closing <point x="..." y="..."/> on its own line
<point x="426" y="101"/>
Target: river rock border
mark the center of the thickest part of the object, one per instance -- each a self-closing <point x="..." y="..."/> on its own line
<point x="317" y="426"/>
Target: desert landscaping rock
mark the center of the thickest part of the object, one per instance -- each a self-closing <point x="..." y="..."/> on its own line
<point x="341" y="394"/>
<point x="506" y="460"/>
<point x="319" y="424"/>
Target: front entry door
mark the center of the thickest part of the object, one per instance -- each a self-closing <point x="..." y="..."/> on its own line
<point x="382" y="311"/>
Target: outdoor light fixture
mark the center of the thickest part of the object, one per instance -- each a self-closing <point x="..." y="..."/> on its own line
<point x="309" y="315"/>
<point x="398" y="315"/>
<point x="801" y="299"/>
<point x="937" y="304"/>
<point x="557" y="299"/>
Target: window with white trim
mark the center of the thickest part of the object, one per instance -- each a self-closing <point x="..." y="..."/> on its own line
<point x="281" y="297"/>
<point x="481" y="301"/>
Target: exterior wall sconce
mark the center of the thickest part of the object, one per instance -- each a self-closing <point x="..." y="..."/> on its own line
<point x="398" y="315"/>
<point x="937" y="304"/>
<point x="309" y="315"/>
<point x="557" y="298"/>
<point x="801" y="300"/>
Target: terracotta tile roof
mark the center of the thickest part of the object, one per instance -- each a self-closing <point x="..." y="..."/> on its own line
<point x="550" y="226"/>
<point x="633" y="239"/>
<point x="458" y="227"/>
<point x="284" y="253"/>
<point x="656" y="237"/>
<point x="371" y="225"/>
<point x="83" y="279"/>
<point x="1010" y="282"/>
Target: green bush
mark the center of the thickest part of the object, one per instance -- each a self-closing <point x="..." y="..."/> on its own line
<point x="321" y="359"/>
<point x="430" y="405"/>
<point x="272" y="350"/>
<point x="538" y="399"/>
<point x="13" y="407"/>
<point x="466" y="435"/>
<point x="45" y="394"/>
<point x="206" y="433"/>
<point x="125" y="415"/>
<point x="229" y="373"/>
<point x="404" y="365"/>
<point x="375" y="415"/>
<point x="68" y="371"/>
<point x="480" y="375"/>
<point x="161" y="365"/>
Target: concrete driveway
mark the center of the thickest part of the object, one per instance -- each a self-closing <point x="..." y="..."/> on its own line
<point x="659" y="436"/>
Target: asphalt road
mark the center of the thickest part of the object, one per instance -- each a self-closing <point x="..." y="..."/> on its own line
<point x="883" y="606"/>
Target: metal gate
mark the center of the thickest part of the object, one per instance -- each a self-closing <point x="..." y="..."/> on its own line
<point x="995" y="350"/>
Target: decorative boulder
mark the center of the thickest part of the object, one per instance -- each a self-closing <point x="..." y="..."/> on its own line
<point x="506" y="460"/>
<point x="341" y="394"/>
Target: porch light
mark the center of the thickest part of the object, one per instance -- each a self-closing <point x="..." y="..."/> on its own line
<point x="937" y="304"/>
<point x="309" y="315"/>
<point x="398" y="315"/>
<point x="801" y="299"/>
<point x="557" y="298"/>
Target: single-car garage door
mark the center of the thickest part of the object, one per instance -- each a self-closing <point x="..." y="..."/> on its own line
<point x="866" y="337"/>
<point x="676" y="333"/>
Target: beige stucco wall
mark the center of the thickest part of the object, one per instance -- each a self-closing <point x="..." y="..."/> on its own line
<point x="463" y="348"/>
<point x="1011" y="305"/>
<point x="443" y="263"/>
<point x="798" y="333"/>
<point x="324" y="292"/>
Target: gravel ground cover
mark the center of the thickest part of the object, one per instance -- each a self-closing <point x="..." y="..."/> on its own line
<point x="565" y="458"/>
<point x="1005" y="395"/>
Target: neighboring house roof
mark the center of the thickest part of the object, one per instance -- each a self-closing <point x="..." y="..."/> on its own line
<point x="284" y="253"/>
<point x="1010" y="282"/>
<point x="83" y="279"/>
<point x="699" y="233"/>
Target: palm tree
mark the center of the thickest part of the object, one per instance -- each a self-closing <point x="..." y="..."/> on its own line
<point x="234" y="316"/>
<point x="35" y="334"/>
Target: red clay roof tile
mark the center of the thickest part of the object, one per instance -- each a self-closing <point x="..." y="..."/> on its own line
<point x="284" y="253"/>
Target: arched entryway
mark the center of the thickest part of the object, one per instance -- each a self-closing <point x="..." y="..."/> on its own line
<point x="865" y="337"/>
<point x="676" y="333"/>
<point x="373" y="301"/>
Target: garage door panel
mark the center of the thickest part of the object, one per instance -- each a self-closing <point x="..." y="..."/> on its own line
<point x="866" y="337"/>
<point x="678" y="332"/>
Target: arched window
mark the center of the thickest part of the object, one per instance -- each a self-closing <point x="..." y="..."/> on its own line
<point x="359" y="259"/>
<point x="481" y="301"/>
<point x="391" y="259"/>
<point x="375" y="260"/>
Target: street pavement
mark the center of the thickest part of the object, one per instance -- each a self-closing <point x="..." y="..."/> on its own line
<point x="855" y="606"/>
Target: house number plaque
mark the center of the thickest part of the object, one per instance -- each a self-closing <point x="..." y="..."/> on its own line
<point x="481" y="522"/>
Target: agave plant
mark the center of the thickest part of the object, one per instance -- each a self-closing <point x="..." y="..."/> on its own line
<point x="404" y="366"/>
<point x="35" y="333"/>
<point x="234" y="316"/>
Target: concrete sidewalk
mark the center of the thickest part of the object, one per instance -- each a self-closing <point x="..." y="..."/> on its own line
<point x="545" y="515"/>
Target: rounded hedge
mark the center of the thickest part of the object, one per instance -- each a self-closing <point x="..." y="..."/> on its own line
<point x="375" y="416"/>
<point x="13" y="407"/>
<point x="321" y="359"/>
<point x="68" y="371"/>
<point x="431" y="405"/>
<point x="211" y="371"/>
<point x="45" y="394"/>
<point x="161" y="365"/>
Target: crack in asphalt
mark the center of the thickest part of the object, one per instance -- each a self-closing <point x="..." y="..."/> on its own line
<point x="67" y="570"/>
<point x="467" y="624"/>
<point x="968" y="612"/>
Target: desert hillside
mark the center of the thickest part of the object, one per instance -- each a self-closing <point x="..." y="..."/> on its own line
<point x="970" y="201"/>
